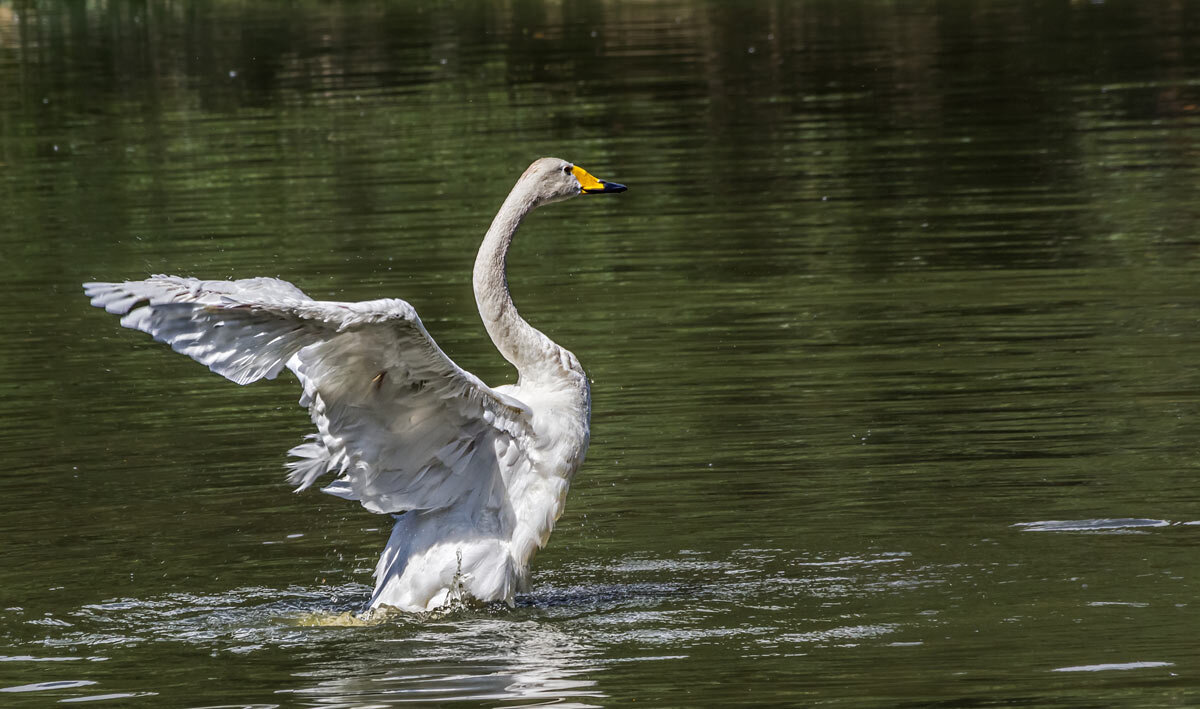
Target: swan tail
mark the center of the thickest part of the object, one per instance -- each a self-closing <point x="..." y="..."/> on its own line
<point x="426" y="566"/>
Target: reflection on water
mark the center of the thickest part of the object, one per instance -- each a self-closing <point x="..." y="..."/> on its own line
<point x="900" y="284"/>
<point x="502" y="659"/>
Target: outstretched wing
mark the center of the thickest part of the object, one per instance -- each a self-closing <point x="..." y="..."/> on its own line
<point x="403" y="426"/>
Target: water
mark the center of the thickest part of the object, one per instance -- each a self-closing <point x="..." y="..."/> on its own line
<point x="893" y="340"/>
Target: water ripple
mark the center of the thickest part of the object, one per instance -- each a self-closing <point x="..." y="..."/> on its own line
<point x="1114" y="667"/>
<point x="1091" y="525"/>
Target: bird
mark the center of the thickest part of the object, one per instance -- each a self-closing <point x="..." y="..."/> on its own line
<point x="475" y="476"/>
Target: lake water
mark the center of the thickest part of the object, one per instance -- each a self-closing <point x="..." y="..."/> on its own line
<point x="895" y="342"/>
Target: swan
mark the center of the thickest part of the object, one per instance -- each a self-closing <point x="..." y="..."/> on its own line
<point x="476" y="476"/>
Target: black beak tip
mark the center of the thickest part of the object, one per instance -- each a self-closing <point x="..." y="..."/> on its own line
<point x="606" y="188"/>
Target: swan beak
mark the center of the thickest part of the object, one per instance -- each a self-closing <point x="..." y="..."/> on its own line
<point x="590" y="185"/>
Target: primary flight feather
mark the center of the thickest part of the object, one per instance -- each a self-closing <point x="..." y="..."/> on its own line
<point x="480" y="473"/>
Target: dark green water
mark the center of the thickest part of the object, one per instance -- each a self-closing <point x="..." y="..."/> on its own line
<point x="895" y="342"/>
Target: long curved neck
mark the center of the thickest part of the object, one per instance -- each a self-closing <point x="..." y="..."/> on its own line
<point x="521" y="344"/>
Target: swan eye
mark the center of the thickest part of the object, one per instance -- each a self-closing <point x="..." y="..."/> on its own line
<point x="566" y="169"/>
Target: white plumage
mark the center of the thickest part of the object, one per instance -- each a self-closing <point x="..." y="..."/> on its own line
<point x="479" y="473"/>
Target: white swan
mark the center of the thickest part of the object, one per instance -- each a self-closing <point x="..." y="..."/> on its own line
<point x="479" y="473"/>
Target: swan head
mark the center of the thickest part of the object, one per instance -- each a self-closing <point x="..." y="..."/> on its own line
<point x="553" y="180"/>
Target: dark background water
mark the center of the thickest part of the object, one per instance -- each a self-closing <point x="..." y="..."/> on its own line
<point x="895" y="342"/>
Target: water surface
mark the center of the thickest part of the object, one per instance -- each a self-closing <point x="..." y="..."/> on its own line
<point x="893" y="340"/>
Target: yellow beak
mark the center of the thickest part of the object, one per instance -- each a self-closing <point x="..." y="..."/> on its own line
<point x="591" y="185"/>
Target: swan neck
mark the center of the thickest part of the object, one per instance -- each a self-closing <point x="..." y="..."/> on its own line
<point x="518" y="341"/>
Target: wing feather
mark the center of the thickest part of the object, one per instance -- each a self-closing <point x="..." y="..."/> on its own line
<point x="403" y="426"/>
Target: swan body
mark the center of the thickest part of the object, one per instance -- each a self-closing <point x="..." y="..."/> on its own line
<point x="476" y="475"/>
